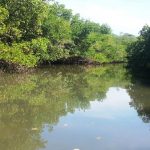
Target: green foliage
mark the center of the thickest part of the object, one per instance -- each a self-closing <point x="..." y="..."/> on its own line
<point x="56" y="26"/>
<point x="26" y="16"/>
<point x="126" y="39"/>
<point x="80" y="30"/>
<point x="16" y="55"/>
<point x="139" y="51"/>
<point x="33" y="32"/>
<point x="104" y="48"/>
<point x="40" y="49"/>
<point x="3" y="16"/>
<point x="105" y="29"/>
<point x="59" y="10"/>
<point x="46" y="51"/>
<point x="8" y="32"/>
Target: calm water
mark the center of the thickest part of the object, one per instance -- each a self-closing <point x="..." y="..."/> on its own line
<point x="72" y="107"/>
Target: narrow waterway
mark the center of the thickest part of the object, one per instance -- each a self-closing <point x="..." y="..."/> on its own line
<point x="74" y="107"/>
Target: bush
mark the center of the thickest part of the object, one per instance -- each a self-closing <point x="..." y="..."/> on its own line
<point x="15" y="55"/>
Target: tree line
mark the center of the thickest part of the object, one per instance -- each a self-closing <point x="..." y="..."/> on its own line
<point x="35" y="32"/>
<point x="139" y="51"/>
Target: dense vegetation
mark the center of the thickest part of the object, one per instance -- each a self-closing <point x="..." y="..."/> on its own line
<point x="33" y="32"/>
<point x="139" y="51"/>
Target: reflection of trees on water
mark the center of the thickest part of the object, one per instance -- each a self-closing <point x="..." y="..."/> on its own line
<point x="30" y="101"/>
<point x="140" y="96"/>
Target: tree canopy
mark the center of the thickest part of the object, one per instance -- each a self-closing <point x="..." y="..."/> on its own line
<point x="139" y="51"/>
<point x="33" y="32"/>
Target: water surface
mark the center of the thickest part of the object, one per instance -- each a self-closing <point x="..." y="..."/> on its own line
<point x="74" y="107"/>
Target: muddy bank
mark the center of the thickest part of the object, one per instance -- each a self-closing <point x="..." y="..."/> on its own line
<point x="76" y="60"/>
<point x="13" y="67"/>
<point x="17" y="68"/>
<point x="82" y="61"/>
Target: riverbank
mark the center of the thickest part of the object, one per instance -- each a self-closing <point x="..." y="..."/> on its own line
<point x="13" y="67"/>
<point x="17" y="68"/>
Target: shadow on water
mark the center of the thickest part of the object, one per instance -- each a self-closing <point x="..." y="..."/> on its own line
<point x="139" y="92"/>
<point x="28" y="102"/>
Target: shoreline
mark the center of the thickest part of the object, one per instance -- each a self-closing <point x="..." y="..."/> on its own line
<point x="17" y="68"/>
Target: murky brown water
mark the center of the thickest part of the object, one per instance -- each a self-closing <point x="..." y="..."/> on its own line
<point x="72" y="107"/>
